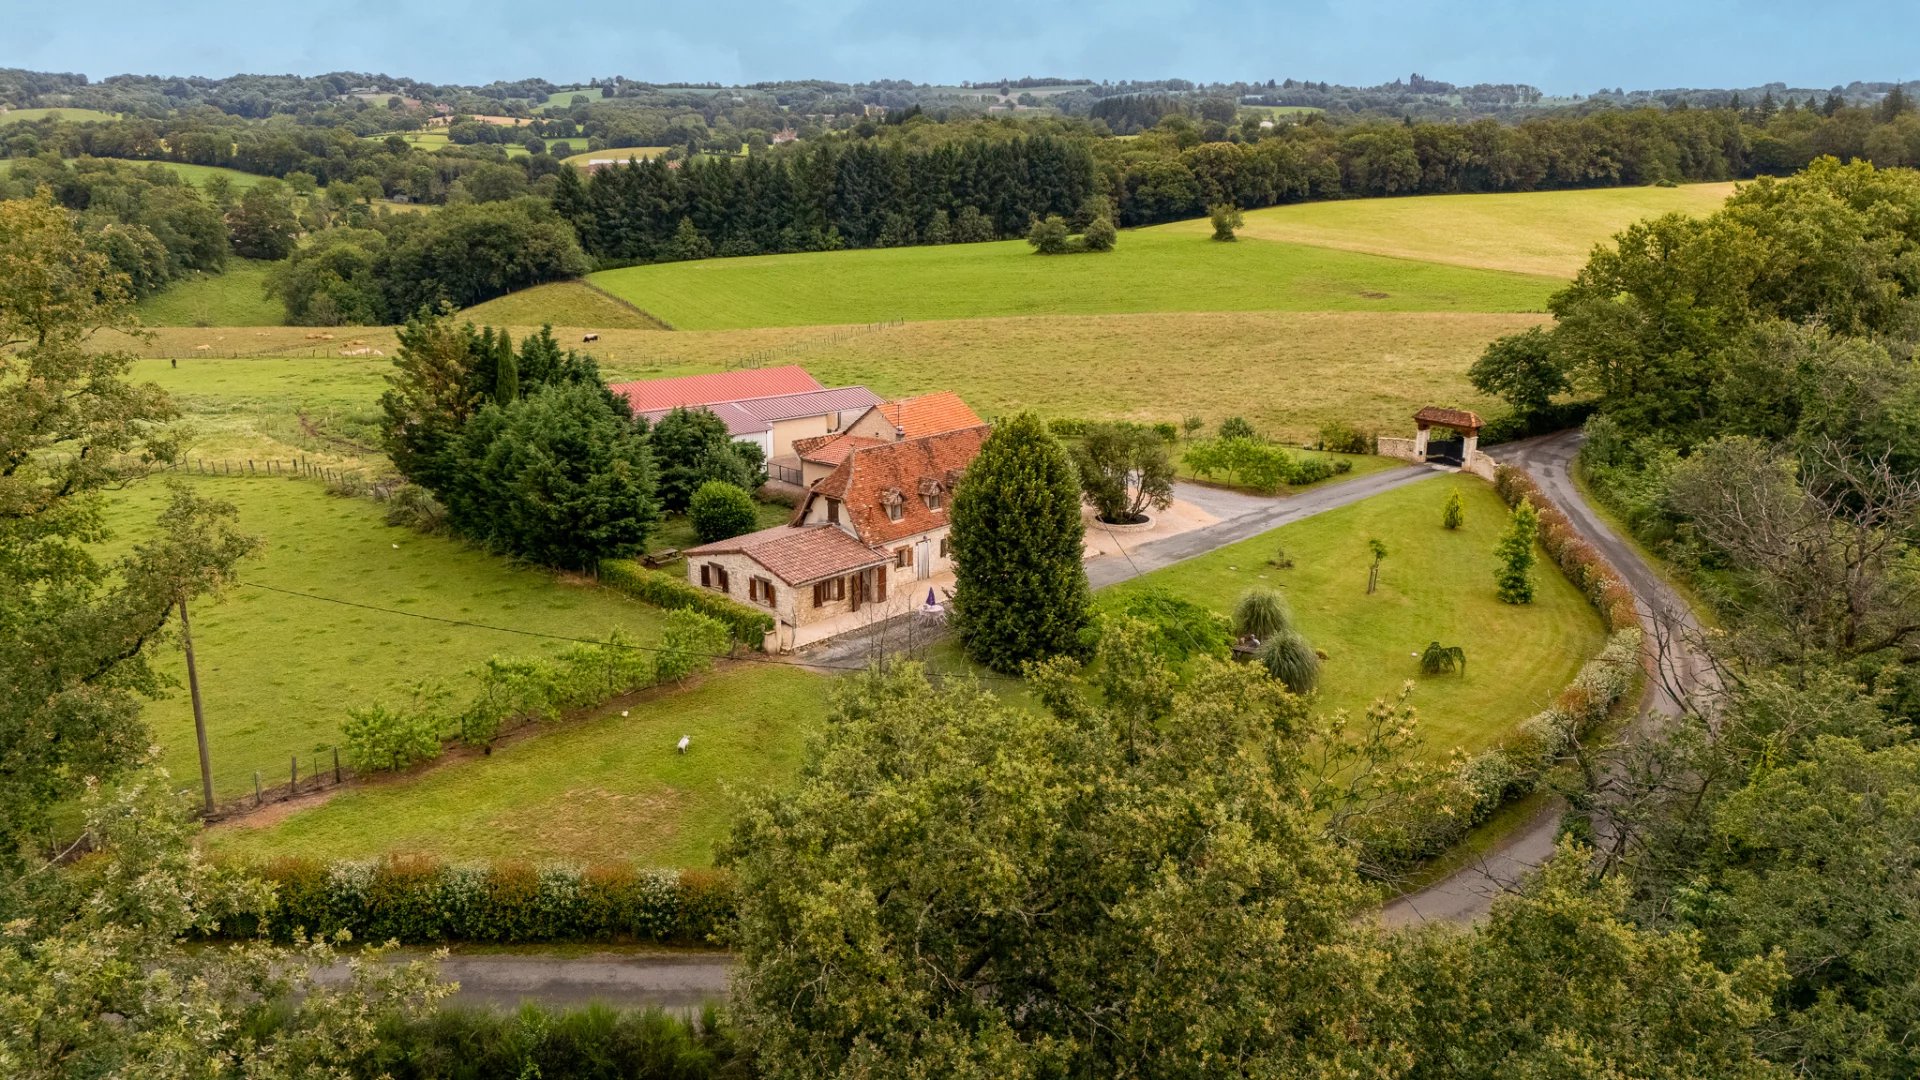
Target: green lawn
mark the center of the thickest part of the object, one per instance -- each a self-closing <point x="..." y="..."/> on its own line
<point x="279" y="671"/>
<point x="564" y="98"/>
<point x="1161" y="269"/>
<point x="1434" y="585"/>
<point x="612" y="787"/>
<point x="237" y="297"/>
<point x="197" y="175"/>
<point x="1538" y="232"/>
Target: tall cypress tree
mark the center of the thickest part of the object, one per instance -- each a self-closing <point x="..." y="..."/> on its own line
<point x="1020" y="590"/>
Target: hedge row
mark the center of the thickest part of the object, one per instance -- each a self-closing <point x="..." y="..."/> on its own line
<point x="1443" y="814"/>
<point x="594" y="1043"/>
<point x="1579" y="560"/>
<point x="421" y="900"/>
<point x="749" y="627"/>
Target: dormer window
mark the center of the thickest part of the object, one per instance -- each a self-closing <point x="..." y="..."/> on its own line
<point x="833" y="511"/>
<point x="894" y="503"/>
<point x="932" y="492"/>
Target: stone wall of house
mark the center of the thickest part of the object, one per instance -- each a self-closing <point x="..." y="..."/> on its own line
<point x="1387" y="446"/>
<point x="740" y="569"/>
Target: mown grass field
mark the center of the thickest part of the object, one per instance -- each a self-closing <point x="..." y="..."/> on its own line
<point x="198" y="175"/>
<point x="573" y="304"/>
<point x="611" y="787"/>
<point x="1539" y="232"/>
<point x="1160" y="269"/>
<point x="278" y="672"/>
<point x="564" y="98"/>
<point x="1434" y="585"/>
<point x="235" y="297"/>
<point x="621" y="154"/>
<point x="1288" y="372"/>
<point x="78" y="116"/>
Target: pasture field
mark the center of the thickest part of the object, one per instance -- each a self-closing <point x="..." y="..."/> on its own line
<point x="1434" y="585"/>
<point x="78" y="116"/>
<point x="1159" y="269"/>
<point x="1287" y="372"/>
<point x="278" y="672"/>
<point x="559" y="303"/>
<point x="197" y="175"/>
<point x="235" y="297"/>
<point x="1536" y="232"/>
<point x="563" y="98"/>
<point x="610" y="787"/>
<point x="1283" y="110"/>
<point x="618" y="153"/>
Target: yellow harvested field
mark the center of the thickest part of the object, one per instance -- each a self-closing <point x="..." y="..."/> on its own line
<point x="1288" y="372"/>
<point x="1538" y="232"/>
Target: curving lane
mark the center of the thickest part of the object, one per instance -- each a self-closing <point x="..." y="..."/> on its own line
<point x="1676" y="670"/>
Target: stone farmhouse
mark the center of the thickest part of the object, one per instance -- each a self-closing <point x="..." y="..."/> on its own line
<point x="867" y="542"/>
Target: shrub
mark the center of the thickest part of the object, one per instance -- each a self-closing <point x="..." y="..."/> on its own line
<point x="1192" y="425"/>
<point x="1437" y="659"/>
<point x="1262" y="613"/>
<point x="1288" y="657"/>
<point x="720" y="510"/>
<point x="1066" y="427"/>
<point x="1048" y="235"/>
<point x="378" y="738"/>
<point x="689" y="645"/>
<point x="749" y="627"/>
<point x="595" y="1041"/>
<point x="1454" y="513"/>
<point x="1226" y="217"/>
<point x="1344" y="438"/>
<point x="1237" y="427"/>
<point x="1100" y="235"/>
<point x="415" y="507"/>
<point x="1167" y="432"/>
<point x="1181" y="628"/>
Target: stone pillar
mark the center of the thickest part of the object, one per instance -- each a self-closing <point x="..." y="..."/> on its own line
<point x="1468" y="448"/>
<point x="1420" y="444"/>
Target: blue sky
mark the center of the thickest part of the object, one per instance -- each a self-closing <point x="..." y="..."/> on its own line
<point x="1561" y="47"/>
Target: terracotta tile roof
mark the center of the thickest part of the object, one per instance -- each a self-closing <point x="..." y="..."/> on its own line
<point x="1453" y="418"/>
<point x="811" y="403"/>
<point x="929" y="414"/>
<point x="871" y="475"/>
<point x="738" y="420"/>
<point x="798" y="554"/>
<point x="648" y="395"/>
<point x="832" y="449"/>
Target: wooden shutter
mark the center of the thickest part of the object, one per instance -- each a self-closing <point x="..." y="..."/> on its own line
<point x="720" y="574"/>
<point x="820" y="594"/>
<point x="767" y="588"/>
<point x="880" y="584"/>
<point x="706" y="574"/>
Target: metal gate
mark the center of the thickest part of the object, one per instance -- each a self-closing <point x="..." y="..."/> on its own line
<point x="1447" y="451"/>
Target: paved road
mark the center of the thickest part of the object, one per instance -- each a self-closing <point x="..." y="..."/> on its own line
<point x="677" y="981"/>
<point x="1468" y="893"/>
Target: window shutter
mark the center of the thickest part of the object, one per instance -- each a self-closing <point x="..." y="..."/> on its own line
<point x="767" y="587"/>
<point x="880" y="583"/>
<point x="820" y="594"/>
<point x="706" y="575"/>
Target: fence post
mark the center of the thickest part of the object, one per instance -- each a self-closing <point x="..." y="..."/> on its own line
<point x="293" y="779"/>
<point x="256" y="787"/>
<point x="336" y="764"/>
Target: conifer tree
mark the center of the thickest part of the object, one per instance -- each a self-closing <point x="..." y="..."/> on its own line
<point x="1020" y="590"/>
<point x="1514" y="575"/>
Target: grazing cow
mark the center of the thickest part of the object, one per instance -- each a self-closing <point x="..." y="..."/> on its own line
<point x="591" y="337"/>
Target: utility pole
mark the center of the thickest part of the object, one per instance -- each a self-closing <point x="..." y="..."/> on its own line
<point x="199" y="719"/>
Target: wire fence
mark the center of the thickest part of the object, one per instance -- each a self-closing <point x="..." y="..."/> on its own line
<point x="760" y="358"/>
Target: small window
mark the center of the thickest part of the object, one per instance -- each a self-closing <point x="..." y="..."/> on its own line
<point x="896" y="511"/>
<point x="945" y="548"/>
<point x="760" y="591"/>
<point x="829" y="590"/>
<point x="903" y="557"/>
<point x="934" y="500"/>
<point x="833" y="511"/>
<point x="720" y="578"/>
<point x="706" y="575"/>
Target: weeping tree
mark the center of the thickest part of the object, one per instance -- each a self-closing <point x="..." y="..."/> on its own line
<point x="1262" y="614"/>
<point x="1288" y="656"/>
<point x="1440" y="659"/>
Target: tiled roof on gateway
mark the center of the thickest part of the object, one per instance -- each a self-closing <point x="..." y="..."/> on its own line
<point x="659" y="395"/>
